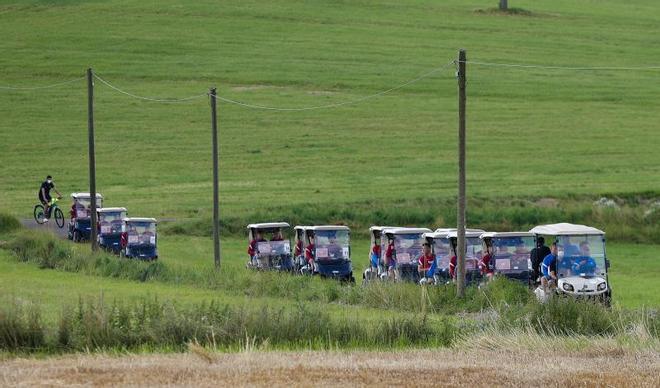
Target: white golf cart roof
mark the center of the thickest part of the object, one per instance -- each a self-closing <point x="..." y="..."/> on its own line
<point x="436" y="234"/>
<point x="380" y="228"/>
<point x="302" y="227"/>
<point x="468" y="233"/>
<point x="85" y="195"/>
<point x="329" y="227"/>
<point x="139" y="219"/>
<point x="406" y="230"/>
<point x="565" y="229"/>
<point x="269" y="225"/>
<point x="447" y="230"/>
<point x="506" y="234"/>
<point x="111" y="209"/>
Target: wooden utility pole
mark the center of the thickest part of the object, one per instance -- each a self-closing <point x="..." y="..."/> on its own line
<point x="92" y="157"/>
<point x="460" y="254"/>
<point x="216" y="212"/>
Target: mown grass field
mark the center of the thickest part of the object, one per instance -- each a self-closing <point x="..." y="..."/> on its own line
<point x="543" y="144"/>
<point x="531" y="132"/>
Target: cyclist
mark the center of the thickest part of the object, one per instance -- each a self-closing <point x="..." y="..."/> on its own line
<point x="44" y="195"/>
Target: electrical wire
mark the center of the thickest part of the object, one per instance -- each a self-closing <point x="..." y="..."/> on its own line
<point x="338" y="104"/>
<point x="525" y="66"/>
<point x="41" y="87"/>
<point x="164" y="100"/>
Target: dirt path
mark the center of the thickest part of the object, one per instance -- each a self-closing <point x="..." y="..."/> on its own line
<point x="412" y="368"/>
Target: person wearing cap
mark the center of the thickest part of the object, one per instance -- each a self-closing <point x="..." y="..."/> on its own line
<point x="536" y="256"/>
<point x="44" y="195"/>
<point x="425" y="260"/>
<point x="584" y="263"/>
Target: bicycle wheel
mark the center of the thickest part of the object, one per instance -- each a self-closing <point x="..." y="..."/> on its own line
<point x="59" y="217"/>
<point x="39" y="214"/>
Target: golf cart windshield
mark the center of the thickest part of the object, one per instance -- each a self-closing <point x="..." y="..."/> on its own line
<point x="581" y="256"/>
<point x="332" y="244"/>
<point x="110" y="222"/>
<point x="274" y="248"/>
<point x="141" y="233"/>
<point x="408" y="247"/>
<point x="512" y="253"/>
<point x="473" y="253"/>
<point x="442" y="252"/>
<point x="82" y="206"/>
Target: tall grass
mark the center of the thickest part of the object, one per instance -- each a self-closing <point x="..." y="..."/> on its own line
<point x="8" y="223"/>
<point x="49" y="252"/>
<point x="632" y="218"/>
<point x="97" y="325"/>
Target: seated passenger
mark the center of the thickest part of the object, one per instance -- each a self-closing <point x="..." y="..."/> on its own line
<point x="549" y="268"/>
<point x="334" y="249"/>
<point x="277" y="236"/>
<point x="374" y="255"/>
<point x="584" y="264"/>
<point x="486" y="263"/>
<point x="252" y="246"/>
<point x="426" y="260"/>
<point x="390" y="258"/>
<point x="310" y="253"/>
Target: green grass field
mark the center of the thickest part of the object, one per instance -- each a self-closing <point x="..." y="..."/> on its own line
<point x="531" y="132"/>
<point x="534" y="134"/>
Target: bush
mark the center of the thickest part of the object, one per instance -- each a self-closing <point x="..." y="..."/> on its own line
<point x="8" y="223"/>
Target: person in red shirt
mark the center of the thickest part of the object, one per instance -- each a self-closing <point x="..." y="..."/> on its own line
<point x="425" y="260"/>
<point x="390" y="258"/>
<point x="452" y="267"/>
<point x="310" y="253"/>
<point x="252" y="247"/>
<point x="486" y="263"/>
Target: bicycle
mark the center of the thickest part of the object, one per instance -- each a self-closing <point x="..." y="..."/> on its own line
<point x="53" y="209"/>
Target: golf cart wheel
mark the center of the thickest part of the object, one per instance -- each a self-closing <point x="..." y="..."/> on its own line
<point x="59" y="217"/>
<point x="39" y="214"/>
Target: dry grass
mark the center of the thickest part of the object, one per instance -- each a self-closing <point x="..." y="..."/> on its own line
<point x="442" y="367"/>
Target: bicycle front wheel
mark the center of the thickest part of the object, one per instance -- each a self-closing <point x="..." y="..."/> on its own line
<point x="59" y="217"/>
<point x="39" y="214"/>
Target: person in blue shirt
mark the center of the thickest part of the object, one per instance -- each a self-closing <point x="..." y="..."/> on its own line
<point x="584" y="264"/>
<point x="549" y="267"/>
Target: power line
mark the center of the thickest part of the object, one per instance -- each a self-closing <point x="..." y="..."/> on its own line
<point x="338" y="104"/>
<point x="164" y="100"/>
<point x="595" y="68"/>
<point x="42" y="87"/>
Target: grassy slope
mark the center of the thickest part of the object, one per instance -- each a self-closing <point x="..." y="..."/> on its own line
<point x="532" y="132"/>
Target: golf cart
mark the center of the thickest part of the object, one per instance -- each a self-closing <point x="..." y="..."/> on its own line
<point x="407" y="248"/>
<point x="581" y="264"/>
<point x="139" y="239"/>
<point x="441" y="247"/>
<point x="80" y="226"/>
<point x="269" y="255"/>
<point x="376" y="264"/>
<point x="510" y="252"/>
<point x="473" y="254"/>
<point x="110" y="222"/>
<point x="331" y="250"/>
